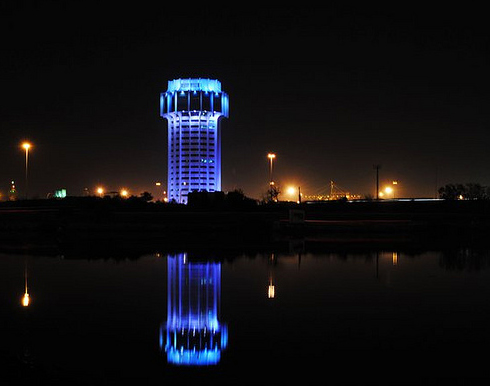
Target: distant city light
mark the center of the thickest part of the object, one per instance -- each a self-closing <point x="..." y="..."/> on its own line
<point x="59" y="193"/>
<point x="100" y="190"/>
<point x="124" y="193"/>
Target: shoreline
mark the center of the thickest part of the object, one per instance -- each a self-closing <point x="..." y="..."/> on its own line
<point x="91" y="224"/>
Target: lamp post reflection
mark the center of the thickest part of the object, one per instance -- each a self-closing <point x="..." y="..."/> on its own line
<point x="394" y="258"/>
<point x="193" y="334"/>
<point x="271" y="289"/>
<point x="26" y="300"/>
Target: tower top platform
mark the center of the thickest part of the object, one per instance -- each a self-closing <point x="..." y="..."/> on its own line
<point x="194" y="84"/>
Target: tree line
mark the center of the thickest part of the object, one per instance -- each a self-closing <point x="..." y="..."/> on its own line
<point x="468" y="191"/>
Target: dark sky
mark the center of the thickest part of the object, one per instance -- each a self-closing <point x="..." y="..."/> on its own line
<point x="330" y="90"/>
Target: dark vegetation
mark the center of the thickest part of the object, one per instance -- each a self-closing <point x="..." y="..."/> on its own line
<point x="468" y="191"/>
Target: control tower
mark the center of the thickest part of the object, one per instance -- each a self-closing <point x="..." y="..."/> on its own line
<point x="193" y="108"/>
<point x="193" y="334"/>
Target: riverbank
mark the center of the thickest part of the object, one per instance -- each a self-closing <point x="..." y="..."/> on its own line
<point x="96" y="224"/>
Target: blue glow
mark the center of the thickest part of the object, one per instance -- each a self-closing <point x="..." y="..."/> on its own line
<point x="225" y="108"/>
<point x="193" y="357"/>
<point x="193" y="333"/>
<point x="194" y="84"/>
<point x="162" y="103"/>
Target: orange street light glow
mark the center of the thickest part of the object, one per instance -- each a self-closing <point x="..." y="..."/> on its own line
<point x="291" y="190"/>
<point x="26" y="145"/>
<point x="124" y="193"/>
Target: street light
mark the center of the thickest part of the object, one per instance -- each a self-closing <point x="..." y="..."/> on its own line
<point x="378" y="193"/>
<point x="389" y="190"/>
<point x="291" y="191"/>
<point x="26" y="146"/>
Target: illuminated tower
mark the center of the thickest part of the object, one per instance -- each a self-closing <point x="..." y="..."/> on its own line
<point x="193" y="108"/>
<point x="193" y="334"/>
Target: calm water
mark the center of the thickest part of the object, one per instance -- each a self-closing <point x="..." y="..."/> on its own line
<point x="367" y="318"/>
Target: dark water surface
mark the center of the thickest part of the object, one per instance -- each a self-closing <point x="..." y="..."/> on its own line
<point x="383" y="317"/>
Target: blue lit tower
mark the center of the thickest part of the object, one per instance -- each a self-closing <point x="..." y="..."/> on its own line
<point x="193" y="334"/>
<point x="193" y="108"/>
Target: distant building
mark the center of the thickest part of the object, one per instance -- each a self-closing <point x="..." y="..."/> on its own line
<point x="193" y="108"/>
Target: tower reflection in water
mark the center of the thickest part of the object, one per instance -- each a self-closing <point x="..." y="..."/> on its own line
<point x="193" y="334"/>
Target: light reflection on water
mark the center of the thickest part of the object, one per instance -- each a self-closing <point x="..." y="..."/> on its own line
<point x="366" y="317"/>
<point x="194" y="335"/>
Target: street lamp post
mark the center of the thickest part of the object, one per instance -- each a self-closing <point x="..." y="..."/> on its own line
<point x="26" y="146"/>
<point x="271" y="157"/>
<point x="377" y="167"/>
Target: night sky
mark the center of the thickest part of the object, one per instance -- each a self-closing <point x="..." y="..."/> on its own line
<point x="332" y="91"/>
